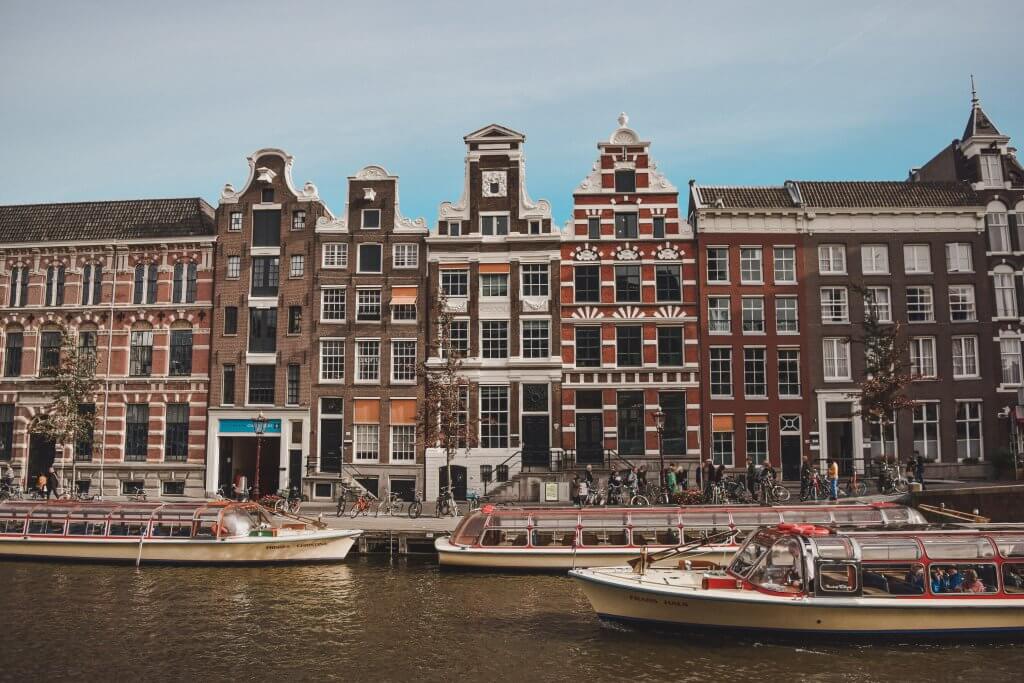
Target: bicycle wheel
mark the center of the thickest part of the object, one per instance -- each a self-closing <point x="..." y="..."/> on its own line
<point x="294" y="505"/>
<point x="342" y="504"/>
<point x="444" y="507"/>
<point x="639" y="501"/>
<point x="781" y="494"/>
<point x="415" y="509"/>
<point x="858" y="488"/>
<point x="356" y="509"/>
<point x="901" y="486"/>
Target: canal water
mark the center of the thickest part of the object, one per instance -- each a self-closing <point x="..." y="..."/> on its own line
<point x="378" y="620"/>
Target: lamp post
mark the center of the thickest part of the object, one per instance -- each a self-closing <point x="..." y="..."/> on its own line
<point x="659" y="423"/>
<point x="259" y="426"/>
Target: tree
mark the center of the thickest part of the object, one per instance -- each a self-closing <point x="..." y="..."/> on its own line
<point x="443" y="418"/>
<point x="63" y="422"/>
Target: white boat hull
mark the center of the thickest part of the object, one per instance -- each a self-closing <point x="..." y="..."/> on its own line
<point x="316" y="546"/>
<point x="674" y="599"/>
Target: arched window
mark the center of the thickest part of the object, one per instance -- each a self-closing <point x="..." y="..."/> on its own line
<point x="87" y="338"/>
<point x="14" y="341"/>
<point x="141" y="361"/>
<point x="50" y="340"/>
<point x="997" y="227"/>
<point x="181" y="350"/>
<point x="185" y="275"/>
<point x="19" y="286"/>
<point x="92" y="284"/>
<point x="1005" y="291"/>
<point x="55" y="286"/>
<point x="145" y="283"/>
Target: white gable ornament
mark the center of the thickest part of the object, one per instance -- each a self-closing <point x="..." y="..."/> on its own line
<point x="586" y="254"/>
<point x="495" y="183"/>
<point x="265" y="175"/>
<point x="627" y="253"/>
<point x="668" y="254"/>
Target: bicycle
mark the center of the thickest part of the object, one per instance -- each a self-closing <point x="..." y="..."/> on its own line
<point x="416" y="506"/>
<point x="446" y="504"/>
<point x="11" y="492"/>
<point x="476" y="501"/>
<point x="348" y="495"/>
<point x="855" y="487"/>
<point x="814" y="489"/>
<point x="636" y="499"/>
<point x="362" y="505"/>
<point x="389" y="504"/>
<point x="892" y="481"/>
<point x="139" y="496"/>
<point x="773" y="492"/>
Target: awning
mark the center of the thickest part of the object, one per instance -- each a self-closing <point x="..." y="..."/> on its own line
<point x="403" y="301"/>
<point x="494" y="267"/>
<point x="366" y="411"/>
<point x="721" y="423"/>
<point x="757" y="419"/>
<point x="403" y="411"/>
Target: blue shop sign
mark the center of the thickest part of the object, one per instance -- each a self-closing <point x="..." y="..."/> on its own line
<point x="245" y="426"/>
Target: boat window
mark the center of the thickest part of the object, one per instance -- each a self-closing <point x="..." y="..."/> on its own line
<point x="901" y="515"/>
<point x="656" y="536"/>
<point x="85" y="527"/>
<point x="706" y="519"/>
<point x="171" y="530"/>
<point x="1013" y="577"/>
<point x="860" y="516"/>
<point x="893" y="548"/>
<point x="963" y="578"/>
<point x="556" y="520"/>
<point x="12" y="526"/>
<point x="504" y="537"/>
<point x="756" y="518"/>
<point x="837" y="577"/>
<point x="886" y="580"/>
<point x="205" y="529"/>
<point x="507" y="521"/>
<point x="782" y="568"/>
<point x="603" y="535"/>
<point x="651" y="519"/>
<point x="693" y="534"/>
<point x="833" y="547"/>
<point x="236" y="522"/>
<point x="469" y="529"/>
<point x="125" y="527"/>
<point x="806" y="516"/>
<point x="609" y="521"/>
<point x="969" y="548"/>
<point x="1010" y="546"/>
<point x="554" y="537"/>
<point x="46" y="526"/>
<point x="750" y="554"/>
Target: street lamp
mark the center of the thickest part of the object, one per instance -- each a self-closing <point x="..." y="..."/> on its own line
<point x="659" y="424"/>
<point x="259" y="425"/>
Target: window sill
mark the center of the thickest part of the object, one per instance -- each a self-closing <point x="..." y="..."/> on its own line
<point x="331" y="381"/>
<point x="966" y="377"/>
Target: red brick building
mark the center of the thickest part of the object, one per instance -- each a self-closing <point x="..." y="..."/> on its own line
<point x="629" y="314"/>
<point x="133" y="281"/>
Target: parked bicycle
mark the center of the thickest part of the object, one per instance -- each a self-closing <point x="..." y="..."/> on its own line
<point x="362" y="505"/>
<point x="139" y="496"/>
<point x="891" y="480"/>
<point x="11" y="492"/>
<point x="416" y="506"/>
<point x="772" y="492"/>
<point x="389" y="504"/>
<point x="476" y="501"/>
<point x="446" y="504"/>
<point x="347" y="494"/>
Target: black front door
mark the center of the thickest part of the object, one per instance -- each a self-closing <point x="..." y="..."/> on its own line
<point x="840" y="445"/>
<point x="458" y="480"/>
<point x="294" y="469"/>
<point x="791" y="457"/>
<point x="589" y="438"/>
<point x="41" y="454"/>
<point x="330" y="445"/>
<point x="536" y="441"/>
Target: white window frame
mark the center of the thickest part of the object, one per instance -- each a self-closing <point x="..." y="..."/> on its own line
<point x="880" y="309"/>
<point x="959" y="257"/>
<point x="368" y="361"/>
<point x="839" y="349"/>
<point x="298" y="220"/>
<point x="301" y="260"/>
<point x="788" y="255"/>
<point x="965" y="357"/>
<point x="457" y="232"/>
<point x="707" y="262"/>
<point x="402" y="261"/>
<point x="406" y="439"/>
<point x="923" y="361"/>
<point x="832" y="259"/>
<point x="1004" y="287"/>
<point x="233" y="268"/>
<point x="369" y="212"/>
<point x="874" y="259"/>
<point x="495" y="215"/>
<point x="1010" y="361"/>
<point x="235" y="221"/>
<point x="991" y="170"/>
<point x="324" y="303"/>
<point x="965" y="302"/>
<point x="333" y="342"/>
<point x="751" y="256"/>
<point x="538" y="271"/>
<point x="711" y="370"/>
<point x="793" y="305"/>
<point x="334" y="255"/>
<point x="365" y="439"/>
<point x="359" y="258"/>
<point x="547" y="335"/>
<point x="917" y="259"/>
<point x="486" y="277"/>
<point x="484" y="340"/>
<point x="395" y="356"/>
<point x="446" y="273"/>
<point x="974" y="420"/>
<point x="929" y="300"/>
<point x="778" y="372"/>
<point x="925" y="422"/>
<point x="752" y="309"/>
<point x="380" y="304"/>
<point x="834" y="310"/>
<point x="713" y="320"/>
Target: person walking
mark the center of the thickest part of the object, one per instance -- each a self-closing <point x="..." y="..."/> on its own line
<point x="833" y="480"/>
<point x="751" y="475"/>
<point x="682" y="478"/>
<point x="670" y="481"/>
<point x="8" y="476"/>
<point x="52" y="484"/>
<point x="574" y="490"/>
<point x="588" y="476"/>
<point x="709" y="477"/>
<point x="919" y="469"/>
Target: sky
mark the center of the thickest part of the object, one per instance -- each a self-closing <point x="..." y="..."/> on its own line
<point x="119" y="100"/>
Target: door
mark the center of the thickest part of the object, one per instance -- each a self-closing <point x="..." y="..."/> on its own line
<point x="589" y="438"/>
<point x="536" y="441"/>
<point x="458" y="480"/>
<point x="294" y="469"/>
<point x="41" y="454"/>
<point x="790" y="457"/>
<point x="225" y="469"/>
<point x="330" y="445"/>
<point x="840" y="445"/>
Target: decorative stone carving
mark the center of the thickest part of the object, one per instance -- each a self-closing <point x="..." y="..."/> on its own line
<point x="309" y="192"/>
<point x="670" y="312"/>
<point x="495" y="309"/>
<point x="369" y="194"/>
<point x="586" y="254"/>
<point x="372" y="173"/>
<point x="495" y="183"/>
<point x="587" y="313"/>
<point x="656" y="180"/>
<point x="265" y="175"/>
<point x="627" y="253"/>
<point x="228" y="192"/>
<point x="628" y="312"/>
<point x="535" y="304"/>
<point x="457" y="305"/>
<point x="592" y="183"/>
<point x="668" y="254"/>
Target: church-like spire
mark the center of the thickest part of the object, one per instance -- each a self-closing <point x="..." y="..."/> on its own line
<point x="978" y="123"/>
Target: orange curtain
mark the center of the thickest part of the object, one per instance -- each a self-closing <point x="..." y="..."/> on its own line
<point x="721" y="423"/>
<point x="494" y="267"/>
<point x="367" y="411"/>
<point x="757" y="419"/>
<point x="403" y="411"/>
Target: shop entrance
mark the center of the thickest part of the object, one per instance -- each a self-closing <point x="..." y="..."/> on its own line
<point x="41" y="454"/>
<point x="238" y="459"/>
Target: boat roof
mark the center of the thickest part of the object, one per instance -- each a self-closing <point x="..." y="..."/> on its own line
<point x="98" y="509"/>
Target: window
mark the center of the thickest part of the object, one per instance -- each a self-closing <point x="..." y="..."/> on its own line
<point x="878" y="445"/>
<point x="294" y="319"/>
<point x="403" y="361"/>
<point x="625" y="180"/>
<point x="87" y="344"/>
<point x="141" y="364"/>
<point x="625" y="226"/>
<point x="493" y="285"/>
<point x="922" y="357"/>
<point x="493" y="226"/>
<point x="236" y="221"/>
<point x="371" y="219"/>
<point x="968" y="429"/>
<point x="535" y="279"/>
<point x="262" y="381"/>
<point x="754" y="372"/>
<point x="835" y="307"/>
<point x="370" y="260"/>
<point x="926" y="430"/>
<point x="588" y="347"/>
<point x="12" y="353"/>
<point x="298" y="220"/>
<point x="368" y="361"/>
<point x="629" y="345"/>
<point x="718" y="314"/>
<point x="493" y="417"/>
<point x="454" y="228"/>
<point x="536" y="339"/>
<point x="403" y="443"/>
<point x="234" y="267"/>
<point x="367" y="305"/>
<point x="627" y="283"/>
<point x="631" y="422"/>
<point x="455" y="283"/>
<point x="587" y="281"/>
<point x="332" y="360"/>
<point x="753" y="314"/>
<point x="668" y="280"/>
<point x="784" y="264"/>
<point x="832" y="259"/>
<point x="19" y="286"/>
<point x="998" y="232"/>
<point x="262" y="330"/>
<point x="228" y="385"/>
<point x="965" y="357"/>
<point x="266" y="228"/>
<point x="297" y="267"/>
<point x="49" y="350"/>
<point x="959" y="258"/>
<point x="54" y="286"/>
<point x="673" y="405"/>
<point x="292" y="388"/>
<point x="1009" y="353"/>
<point x="176" y="440"/>
<point x="722" y="440"/>
<point x="787" y="316"/>
<point x="1006" y="295"/>
<point x="265" y="275"/>
<point x="757" y="440"/>
<point x="184" y="284"/>
<point x="6" y="431"/>
<point x="594" y="228"/>
<point x="332" y="304"/>
<point x="878" y="300"/>
<point x="494" y="338"/>
<point x="874" y="259"/>
<point x="750" y="265"/>
<point x="406" y="255"/>
<point x="658" y="227"/>
<point x="458" y="338"/>
<point x="991" y="170"/>
<point x="920" y="305"/>
<point x="836" y="355"/>
<point x="536" y="227"/>
<point x="961" y="303"/>
<point x="230" y="320"/>
<point x="917" y="258"/>
<point x="789" y="372"/>
<point x="84" y="442"/>
<point x="721" y="372"/>
<point x="267" y="195"/>
<point x="367" y="443"/>
<point x="136" y="432"/>
<point x="181" y="353"/>
<point x="402" y="311"/>
<point x="92" y="284"/>
<point x="335" y="255"/>
<point x="670" y="346"/>
<point x="145" y="284"/>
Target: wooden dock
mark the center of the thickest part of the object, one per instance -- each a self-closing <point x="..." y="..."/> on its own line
<point x="395" y="535"/>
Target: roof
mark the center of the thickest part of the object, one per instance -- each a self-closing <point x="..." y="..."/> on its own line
<point x="726" y="197"/>
<point x="117" y="220"/>
<point x="978" y="123"/>
<point x="840" y="194"/>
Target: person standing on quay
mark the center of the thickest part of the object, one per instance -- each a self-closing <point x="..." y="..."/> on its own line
<point x="670" y="480"/>
<point x="574" y="490"/>
<point x="833" y="480"/>
<point x="919" y="469"/>
<point x="52" y="484"/>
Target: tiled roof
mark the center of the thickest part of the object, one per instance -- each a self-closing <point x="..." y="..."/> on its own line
<point x="744" y="197"/>
<point x="886" y="194"/>
<point x="131" y="219"/>
<point x="978" y="123"/>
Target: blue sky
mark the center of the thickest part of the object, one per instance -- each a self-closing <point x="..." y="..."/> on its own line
<point x="118" y="100"/>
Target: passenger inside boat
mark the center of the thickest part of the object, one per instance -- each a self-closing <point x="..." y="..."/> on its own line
<point x="781" y="569"/>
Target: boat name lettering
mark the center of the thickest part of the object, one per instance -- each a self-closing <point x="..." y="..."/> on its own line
<point x="296" y="545"/>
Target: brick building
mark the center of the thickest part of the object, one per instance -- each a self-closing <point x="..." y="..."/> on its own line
<point x="756" y="391"/>
<point x="264" y="340"/>
<point x="629" y="314"/>
<point x="133" y="282"/>
<point x="368" y="323"/>
<point x="494" y="256"/>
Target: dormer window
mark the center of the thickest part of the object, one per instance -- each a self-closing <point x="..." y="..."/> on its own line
<point x="236" y="221"/>
<point x="625" y="180"/>
<point x="493" y="225"/>
<point x="371" y="219"/>
<point x="454" y="229"/>
<point x="535" y="227"/>
<point x="991" y="170"/>
<point x="267" y="195"/>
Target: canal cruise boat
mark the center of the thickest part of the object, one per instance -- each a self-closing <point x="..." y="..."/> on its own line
<point x="218" y="532"/>
<point x="562" y="538"/>
<point x="806" y="579"/>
